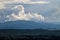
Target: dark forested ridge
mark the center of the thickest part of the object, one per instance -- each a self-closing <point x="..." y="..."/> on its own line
<point x="26" y="34"/>
<point x="29" y="30"/>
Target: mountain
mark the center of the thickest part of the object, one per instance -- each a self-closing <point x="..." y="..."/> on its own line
<point x="22" y="24"/>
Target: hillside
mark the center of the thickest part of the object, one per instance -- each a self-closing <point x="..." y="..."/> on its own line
<point x="22" y="24"/>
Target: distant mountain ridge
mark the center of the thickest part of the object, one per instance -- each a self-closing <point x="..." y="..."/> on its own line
<point x="22" y="24"/>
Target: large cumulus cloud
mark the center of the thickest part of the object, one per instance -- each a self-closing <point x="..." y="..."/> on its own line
<point x="21" y="15"/>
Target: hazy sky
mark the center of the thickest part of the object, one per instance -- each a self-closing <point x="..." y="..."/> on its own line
<point x="46" y="10"/>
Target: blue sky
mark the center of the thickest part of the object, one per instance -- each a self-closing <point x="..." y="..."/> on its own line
<point x="33" y="10"/>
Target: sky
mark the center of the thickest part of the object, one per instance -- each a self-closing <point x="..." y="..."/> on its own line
<point x="33" y="10"/>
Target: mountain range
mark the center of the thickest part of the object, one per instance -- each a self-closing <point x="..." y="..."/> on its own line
<point x="22" y="24"/>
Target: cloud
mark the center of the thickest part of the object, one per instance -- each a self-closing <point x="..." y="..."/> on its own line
<point x="1" y="5"/>
<point x="39" y="2"/>
<point x="16" y="15"/>
<point x="27" y="2"/>
<point x="29" y="16"/>
<point x="23" y="16"/>
<point x="4" y="2"/>
<point x="22" y="1"/>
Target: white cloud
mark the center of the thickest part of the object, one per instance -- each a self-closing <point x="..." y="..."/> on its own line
<point x="3" y="2"/>
<point x="30" y="2"/>
<point x="27" y="2"/>
<point x="39" y="2"/>
<point x="1" y="5"/>
<point x="23" y="16"/>
<point x="29" y="16"/>
<point x="22" y="1"/>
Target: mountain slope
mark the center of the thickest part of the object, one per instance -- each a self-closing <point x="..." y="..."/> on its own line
<point x="22" y="24"/>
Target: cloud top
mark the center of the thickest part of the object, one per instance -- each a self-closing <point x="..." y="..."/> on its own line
<point x="21" y="15"/>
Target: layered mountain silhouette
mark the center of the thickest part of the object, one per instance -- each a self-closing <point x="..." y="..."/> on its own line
<point x="22" y="24"/>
